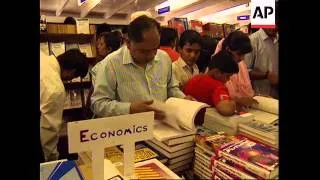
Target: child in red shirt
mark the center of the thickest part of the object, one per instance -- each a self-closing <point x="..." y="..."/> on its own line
<point x="210" y="87"/>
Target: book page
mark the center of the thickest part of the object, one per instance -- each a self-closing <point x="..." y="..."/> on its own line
<point x="86" y="48"/>
<point x="57" y="48"/>
<point x="264" y="116"/>
<point x="171" y="117"/>
<point x="267" y="104"/>
<point x="186" y="111"/>
<point x="83" y="26"/>
<point x="162" y="132"/>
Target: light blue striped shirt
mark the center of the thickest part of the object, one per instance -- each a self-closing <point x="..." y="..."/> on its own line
<point x="120" y="81"/>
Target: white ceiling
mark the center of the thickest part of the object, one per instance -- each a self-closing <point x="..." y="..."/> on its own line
<point x="119" y="11"/>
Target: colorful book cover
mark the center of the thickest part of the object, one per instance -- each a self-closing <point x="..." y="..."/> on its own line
<point x="220" y="174"/>
<point x="63" y="169"/>
<point x="230" y="171"/>
<point x="240" y="168"/>
<point x="153" y="169"/>
<point x="256" y="158"/>
<point x="216" y="142"/>
<point x="197" y="26"/>
<point x="142" y="153"/>
<point x="181" y="24"/>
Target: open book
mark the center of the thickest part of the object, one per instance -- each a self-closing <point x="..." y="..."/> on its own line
<point x="266" y="111"/>
<point x="179" y="118"/>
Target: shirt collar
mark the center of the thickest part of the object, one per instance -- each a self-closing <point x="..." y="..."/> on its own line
<point x="127" y="58"/>
<point x="263" y="34"/>
<point x="180" y="62"/>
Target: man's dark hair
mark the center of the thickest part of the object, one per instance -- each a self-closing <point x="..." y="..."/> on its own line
<point x="168" y="36"/>
<point x="103" y="28"/>
<point x="124" y="30"/>
<point x="111" y="39"/>
<point x="140" y="25"/>
<point x="69" y="20"/>
<point x="224" y="61"/>
<point x="208" y="47"/>
<point x="190" y="36"/>
<point x="74" y="59"/>
<point x="237" y="41"/>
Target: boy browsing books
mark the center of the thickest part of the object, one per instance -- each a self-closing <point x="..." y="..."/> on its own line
<point x="210" y="88"/>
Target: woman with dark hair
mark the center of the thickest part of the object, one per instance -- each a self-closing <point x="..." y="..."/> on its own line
<point x="239" y="85"/>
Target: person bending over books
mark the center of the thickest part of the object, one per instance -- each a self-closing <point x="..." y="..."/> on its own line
<point x="210" y="87"/>
<point x="128" y="80"/>
<point x="239" y="85"/>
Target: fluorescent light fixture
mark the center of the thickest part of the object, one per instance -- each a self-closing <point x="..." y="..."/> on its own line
<point x="175" y="4"/>
<point x="221" y="16"/>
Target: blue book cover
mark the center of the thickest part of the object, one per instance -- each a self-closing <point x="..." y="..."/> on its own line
<point x="60" y="170"/>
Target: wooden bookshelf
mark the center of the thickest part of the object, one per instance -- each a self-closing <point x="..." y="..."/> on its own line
<point x="68" y="38"/>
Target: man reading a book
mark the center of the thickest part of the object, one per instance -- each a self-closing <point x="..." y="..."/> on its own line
<point x="128" y="80"/>
<point x="210" y="87"/>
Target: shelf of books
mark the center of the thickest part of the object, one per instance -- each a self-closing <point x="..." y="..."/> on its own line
<point x="68" y="38"/>
<point x="242" y="146"/>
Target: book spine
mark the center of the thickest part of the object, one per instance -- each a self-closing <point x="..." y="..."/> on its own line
<point x="240" y="168"/>
<point x="221" y="174"/>
<point x="203" y="165"/>
<point x="233" y="172"/>
<point x="246" y="165"/>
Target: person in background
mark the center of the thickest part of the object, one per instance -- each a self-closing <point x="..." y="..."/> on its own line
<point x="102" y="28"/>
<point x="210" y="87"/>
<point x="168" y="41"/>
<point x="189" y="48"/>
<point x="239" y="86"/>
<point x="69" y="20"/>
<point x="109" y="42"/>
<point x="208" y="47"/>
<point x="53" y="71"/>
<point x="262" y="62"/>
<point x="129" y="79"/>
<point x="124" y="32"/>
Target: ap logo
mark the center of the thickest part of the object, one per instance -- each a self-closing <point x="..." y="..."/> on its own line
<point x="263" y="13"/>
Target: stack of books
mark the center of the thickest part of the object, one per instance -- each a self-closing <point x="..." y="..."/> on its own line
<point x="246" y="159"/>
<point x="262" y="132"/>
<point x="208" y="144"/>
<point x="266" y="111"/>
<point x="174" y="135"/>
<point x="179" y="151"/>
<point x="229" y="124"/>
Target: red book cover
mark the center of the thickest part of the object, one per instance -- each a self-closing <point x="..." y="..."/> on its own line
<point x="197" y="26"/>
